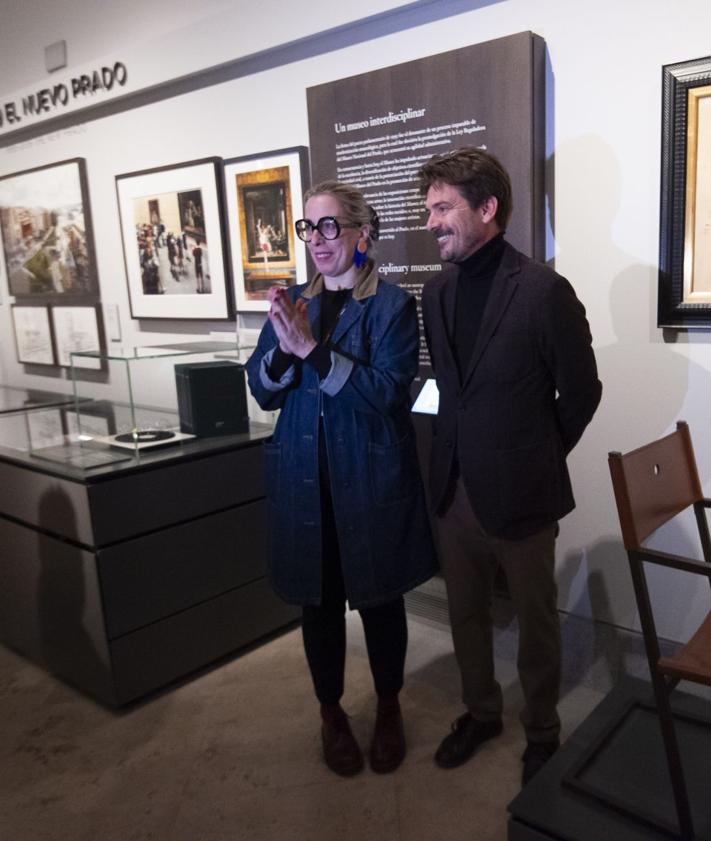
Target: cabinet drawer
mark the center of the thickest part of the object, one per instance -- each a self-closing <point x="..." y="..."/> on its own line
<point x="153" y="656"/>
<point x="130" y="505"/>
<point x="152" y="577"/>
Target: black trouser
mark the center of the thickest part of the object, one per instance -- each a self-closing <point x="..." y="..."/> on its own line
<point x="324" y="626"/>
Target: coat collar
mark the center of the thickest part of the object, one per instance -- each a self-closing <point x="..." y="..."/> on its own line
<point x="365" y="286"/>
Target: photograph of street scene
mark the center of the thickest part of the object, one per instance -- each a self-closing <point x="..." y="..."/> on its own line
<point x="172" y="244"/>
<point x="44" y="232"/>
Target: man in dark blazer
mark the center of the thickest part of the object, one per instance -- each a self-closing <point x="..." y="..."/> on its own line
<point x="512" y="355"/>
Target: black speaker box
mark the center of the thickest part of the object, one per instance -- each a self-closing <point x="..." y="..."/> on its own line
<point x="212" y="398"/>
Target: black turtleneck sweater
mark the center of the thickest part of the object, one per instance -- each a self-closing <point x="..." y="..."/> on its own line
<point x="476" y="275"/>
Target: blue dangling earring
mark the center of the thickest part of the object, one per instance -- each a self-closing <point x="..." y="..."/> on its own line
<point x="360" y="254"/>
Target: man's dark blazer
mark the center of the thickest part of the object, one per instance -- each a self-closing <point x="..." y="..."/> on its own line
<point x="530" y="390"/>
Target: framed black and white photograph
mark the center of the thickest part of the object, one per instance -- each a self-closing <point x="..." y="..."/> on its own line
<point x="33" y="335"/>
<point x="173" y="241"/>
<point x="76" y="329"/>
<point x="47" y="238"/>
<point x="264" y="198"/>
<point x="685" y="224"/>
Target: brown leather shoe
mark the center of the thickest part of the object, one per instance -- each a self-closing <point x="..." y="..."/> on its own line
<point x="388" y="748"/>
<point x="340" y="749"/>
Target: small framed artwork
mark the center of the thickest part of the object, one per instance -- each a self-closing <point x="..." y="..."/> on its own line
<point x="76" y="329"/>
<point x="45" y="429"/>
<point x="685" y="225"/>
<point x="33" y="335"/>
<point x="264" y="197"/>
<point x="173" y="241"/>
<point x="47" y="238"/>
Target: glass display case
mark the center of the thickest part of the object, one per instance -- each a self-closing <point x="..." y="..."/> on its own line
<point x="14" y="399"/>
<point x="162" y="398"/>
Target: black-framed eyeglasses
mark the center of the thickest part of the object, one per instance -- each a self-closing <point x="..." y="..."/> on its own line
<point x="328" y="226"/>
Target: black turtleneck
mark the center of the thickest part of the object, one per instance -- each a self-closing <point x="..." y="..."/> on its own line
<point x="476" y="275"/>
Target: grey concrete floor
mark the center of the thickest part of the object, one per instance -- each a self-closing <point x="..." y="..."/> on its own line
<point x="232" y="754"/>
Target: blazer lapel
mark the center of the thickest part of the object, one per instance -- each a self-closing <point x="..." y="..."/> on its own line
<point x="502" y="289"/>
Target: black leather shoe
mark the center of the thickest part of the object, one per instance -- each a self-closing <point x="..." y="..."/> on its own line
<point x="341" y="752"/>
<point x="535" y="757"/>
<point x="388" y="747"/>
<point x="466" y="736"/>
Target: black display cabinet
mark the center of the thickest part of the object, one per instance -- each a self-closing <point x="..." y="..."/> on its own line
<point x="121" y="573"/>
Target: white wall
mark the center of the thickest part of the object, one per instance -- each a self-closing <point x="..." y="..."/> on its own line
<point x="606" y="61"/>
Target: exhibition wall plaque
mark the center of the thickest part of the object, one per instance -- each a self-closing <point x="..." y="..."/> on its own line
<point x="376" y="129"/>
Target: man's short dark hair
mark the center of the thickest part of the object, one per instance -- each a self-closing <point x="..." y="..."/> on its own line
<point x="477" y="174"/>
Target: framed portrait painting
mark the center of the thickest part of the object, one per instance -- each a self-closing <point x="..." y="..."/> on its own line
<point x="173" y="241"/>
<point x="47" y="239"/>
<point x="685" y="224"/>
<point x="264" y="198"/>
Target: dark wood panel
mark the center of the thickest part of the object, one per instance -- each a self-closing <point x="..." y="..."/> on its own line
<point x="155" y="576"/>
<point x="47" y="502"/>
<point x="138" y="503"/>
<point x="50" y="607"/>
<point x="154" y="656"/>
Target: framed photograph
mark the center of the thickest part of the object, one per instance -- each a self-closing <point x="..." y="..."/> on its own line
<point x="685" y="225"/>
<point x="76" y="329"/>
<point x="33" y="335"/>
<point x="173" y="241"/>
<point x="264" y="198"/>
<point x="47" y="239"/>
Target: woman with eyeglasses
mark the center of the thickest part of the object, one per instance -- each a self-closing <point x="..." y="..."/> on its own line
<point x="347" y="515"/>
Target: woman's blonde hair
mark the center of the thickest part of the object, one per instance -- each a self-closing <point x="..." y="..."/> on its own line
<point x="354" y="207"/>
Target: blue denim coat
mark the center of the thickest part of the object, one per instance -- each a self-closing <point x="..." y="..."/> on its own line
<point x="380" y="512"/>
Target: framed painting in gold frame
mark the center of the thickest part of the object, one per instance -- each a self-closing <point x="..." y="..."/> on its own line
<point x="264" y="193"/>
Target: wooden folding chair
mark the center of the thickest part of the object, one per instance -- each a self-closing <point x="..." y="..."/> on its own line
<point x="653" y="484"/>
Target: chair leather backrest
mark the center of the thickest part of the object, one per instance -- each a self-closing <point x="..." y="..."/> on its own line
<point x="653" y="484"/>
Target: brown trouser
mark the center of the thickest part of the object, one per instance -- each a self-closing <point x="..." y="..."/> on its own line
<point x="469" y="559"/>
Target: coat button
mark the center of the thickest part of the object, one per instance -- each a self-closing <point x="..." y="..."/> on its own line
<point x="448" y="444"/>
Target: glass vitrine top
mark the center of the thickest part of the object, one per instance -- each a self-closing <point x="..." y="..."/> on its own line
<point x="127" y="353"/>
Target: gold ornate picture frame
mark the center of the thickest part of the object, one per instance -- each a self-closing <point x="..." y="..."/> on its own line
<point x="264" y="198"/>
